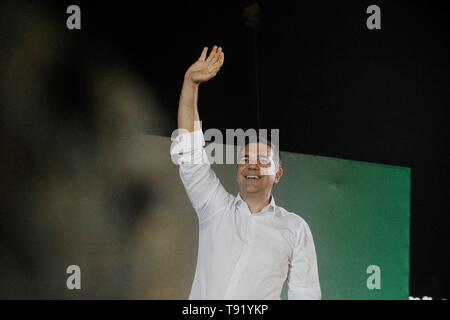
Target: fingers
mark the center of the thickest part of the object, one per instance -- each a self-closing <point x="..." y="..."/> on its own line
<point x="214" y="61"/>
<point x="203" y="55"/>
<point x="212" y="54"/>
<point x="216" y="56"/>
<point x="220" y="59"/>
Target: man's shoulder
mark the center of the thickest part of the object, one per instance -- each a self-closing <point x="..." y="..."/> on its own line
<point x="292" y="218"/>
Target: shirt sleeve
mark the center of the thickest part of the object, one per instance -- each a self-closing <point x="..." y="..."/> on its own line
<point x="203" y="188"/>
<point x="303" y="279"/>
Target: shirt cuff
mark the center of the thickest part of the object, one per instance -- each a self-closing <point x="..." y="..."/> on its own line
<point x="188" y="147"/>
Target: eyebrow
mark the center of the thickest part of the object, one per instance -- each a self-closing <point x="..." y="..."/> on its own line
<point x="259" y="155"/>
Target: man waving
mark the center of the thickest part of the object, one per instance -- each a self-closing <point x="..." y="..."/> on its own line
<point x="248" y="245"/>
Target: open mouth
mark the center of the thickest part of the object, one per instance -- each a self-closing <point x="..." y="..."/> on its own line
<point x="250" y="177"/>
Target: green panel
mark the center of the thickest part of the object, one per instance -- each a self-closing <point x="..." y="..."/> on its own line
<point x="359" y="215"/>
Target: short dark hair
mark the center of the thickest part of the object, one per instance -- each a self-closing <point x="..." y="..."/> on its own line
<point x="257" y="139"/>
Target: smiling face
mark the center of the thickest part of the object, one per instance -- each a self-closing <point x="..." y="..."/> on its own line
<point x="257" y="171"/>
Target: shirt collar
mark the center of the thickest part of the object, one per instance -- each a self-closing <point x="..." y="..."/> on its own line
<point x="270" y="208"/>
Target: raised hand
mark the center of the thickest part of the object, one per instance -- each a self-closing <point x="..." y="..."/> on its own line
<point x="206" y="68"/>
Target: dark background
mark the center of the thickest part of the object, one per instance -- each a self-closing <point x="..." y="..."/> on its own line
<point x="332" y="87"/>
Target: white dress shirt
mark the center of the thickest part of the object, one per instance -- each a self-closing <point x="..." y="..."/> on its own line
<point x="243" y="255"/>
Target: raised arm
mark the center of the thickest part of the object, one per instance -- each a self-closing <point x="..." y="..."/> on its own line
<point x="206" y="193"/>
<point x="202" y="70"/>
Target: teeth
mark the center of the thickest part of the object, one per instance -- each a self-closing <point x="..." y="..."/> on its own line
<point x="252" y="177"/>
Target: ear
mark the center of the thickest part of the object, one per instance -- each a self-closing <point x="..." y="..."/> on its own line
<point x="278" y="175"/>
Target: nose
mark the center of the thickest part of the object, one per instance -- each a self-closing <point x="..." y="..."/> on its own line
<point x="253" y="166"/>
